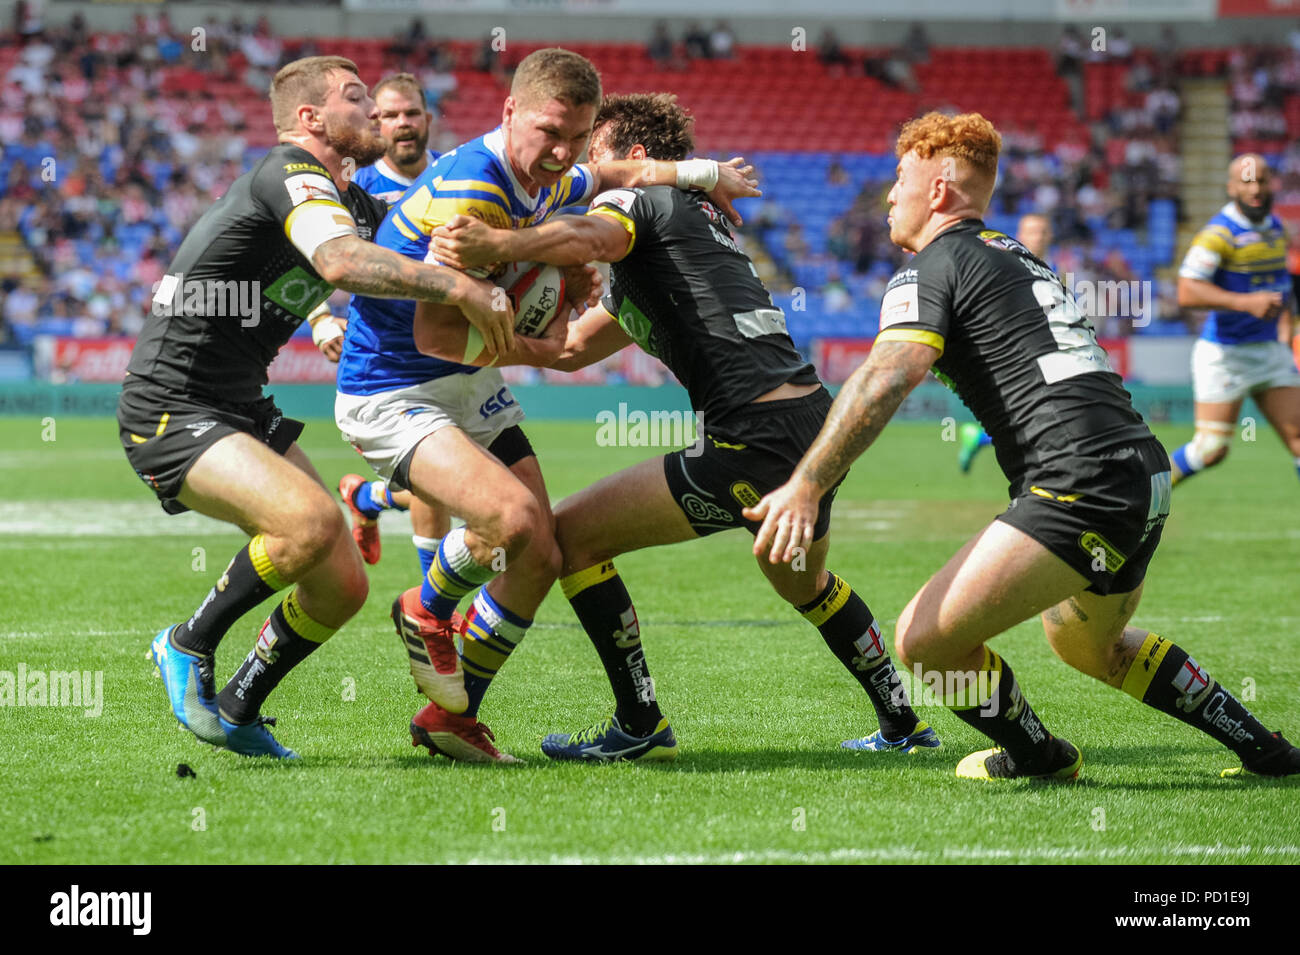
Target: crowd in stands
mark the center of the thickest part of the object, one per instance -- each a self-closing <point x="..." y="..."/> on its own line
<point x="1264" y="86"/>
<point x="107" y="163"/>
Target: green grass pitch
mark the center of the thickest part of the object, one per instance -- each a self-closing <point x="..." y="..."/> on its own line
<point x="92" y="568"/>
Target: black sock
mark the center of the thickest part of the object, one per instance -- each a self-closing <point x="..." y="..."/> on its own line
<point x="1002" y="713"/>
<point x="1163" y="676"/>
<point x="288" y="637"/>
<point x="846" y="624"/>
<point x="605" y="610"/>
<point x="249" y="580"/>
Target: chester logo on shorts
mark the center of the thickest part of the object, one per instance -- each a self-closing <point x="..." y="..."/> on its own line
<point x="1100" y="548"/>
<point x="745" y="494"/>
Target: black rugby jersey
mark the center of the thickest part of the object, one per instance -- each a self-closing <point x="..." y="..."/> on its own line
<point x="1014" y="347"/>
<point x="687" y="295"/>
<point x="240" y="283"/>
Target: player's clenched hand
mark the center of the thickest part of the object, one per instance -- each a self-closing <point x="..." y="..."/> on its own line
<point x="583" y="286"/>
<point x="488" y="310"/>
<point x="788" y="515"/>
<point x="1265" y="305"/>
<point x="734" y="182"/>
<point x="464" y="242"/>
<point x="332" y="348"/>
<point x="551" y="345"/>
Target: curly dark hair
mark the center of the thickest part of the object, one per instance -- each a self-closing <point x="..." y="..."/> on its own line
<point x="655" y="120"/>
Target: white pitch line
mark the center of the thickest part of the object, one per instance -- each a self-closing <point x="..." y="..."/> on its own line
<point x="901" y="854"/>
<point x="25" y="634"/>
<point x="74" y="519"/>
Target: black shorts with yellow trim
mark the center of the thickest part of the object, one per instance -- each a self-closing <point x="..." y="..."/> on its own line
<point x="165" y="432"/>
<point x="753" y="453"/>
<point x="1102" y="514"/>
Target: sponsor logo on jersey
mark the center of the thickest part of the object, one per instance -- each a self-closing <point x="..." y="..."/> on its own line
<point x="297" y="292"/>
<point x="305" y="167"/>
<point x="1000" y="240"/>
<point x="902" y="278"/>
<point x="900" y="304"/>
<point x="308" y="186"/>
<point x="623" y="198"/>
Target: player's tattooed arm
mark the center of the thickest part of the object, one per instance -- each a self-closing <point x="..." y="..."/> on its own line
<point x="863" y="407"/>
<point x="355" y="265"/>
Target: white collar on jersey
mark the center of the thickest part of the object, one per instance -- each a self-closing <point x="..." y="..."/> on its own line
<point x="388" y="172"/>
<point x="495" y="141"/>
<point x="1235" y="214"/>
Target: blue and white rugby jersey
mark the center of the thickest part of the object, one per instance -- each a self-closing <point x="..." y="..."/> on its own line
<point x="1240" y="256"/>
<point x="384" y="182"/>
<point x="475" y="179"/>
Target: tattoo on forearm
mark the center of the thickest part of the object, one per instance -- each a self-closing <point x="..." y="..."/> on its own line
<point x="378" y="272"/>
<point x="863" y="408"/>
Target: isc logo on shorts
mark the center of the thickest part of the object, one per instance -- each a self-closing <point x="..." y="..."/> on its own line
<point x="498" y="402"/>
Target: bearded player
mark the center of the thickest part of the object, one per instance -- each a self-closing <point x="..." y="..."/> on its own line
<point x="1236" y="267"/>
<point x="1090" y="485"/>
<point x="197" y="428"/>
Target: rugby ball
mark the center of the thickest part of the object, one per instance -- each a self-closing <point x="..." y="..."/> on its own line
<point x="536" y="292"/>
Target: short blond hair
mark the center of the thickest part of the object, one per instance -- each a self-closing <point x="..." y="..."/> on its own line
<point x="968" y="138"/>
<point x="553" y="73"/>
<point x="304" y="81"/>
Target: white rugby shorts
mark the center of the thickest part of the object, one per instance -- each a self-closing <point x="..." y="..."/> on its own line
<point x="385" y="427"/>
<point x="1224" y="373"/>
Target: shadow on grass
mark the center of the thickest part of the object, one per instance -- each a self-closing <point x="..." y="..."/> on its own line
<point x="1150" y="761"/>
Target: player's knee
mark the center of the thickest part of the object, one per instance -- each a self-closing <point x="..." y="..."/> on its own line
<point x="552" y="560"/>
<point x="578" y="552"/>
<point x="518" y="522"/>
<point x="908" y="640"/>
<point x="353" y="583"/>
<point x="308" y="537"/>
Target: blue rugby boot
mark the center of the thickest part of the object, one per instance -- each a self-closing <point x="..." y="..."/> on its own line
<point x="922" y="737"/>
<point x="605" y="742"/>
<point x="254" y="739"/>
<point x="188" y="682"/>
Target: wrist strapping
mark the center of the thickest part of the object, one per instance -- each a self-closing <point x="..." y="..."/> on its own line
<point x="697" y="174"/>
<point x="325" y="330"/>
